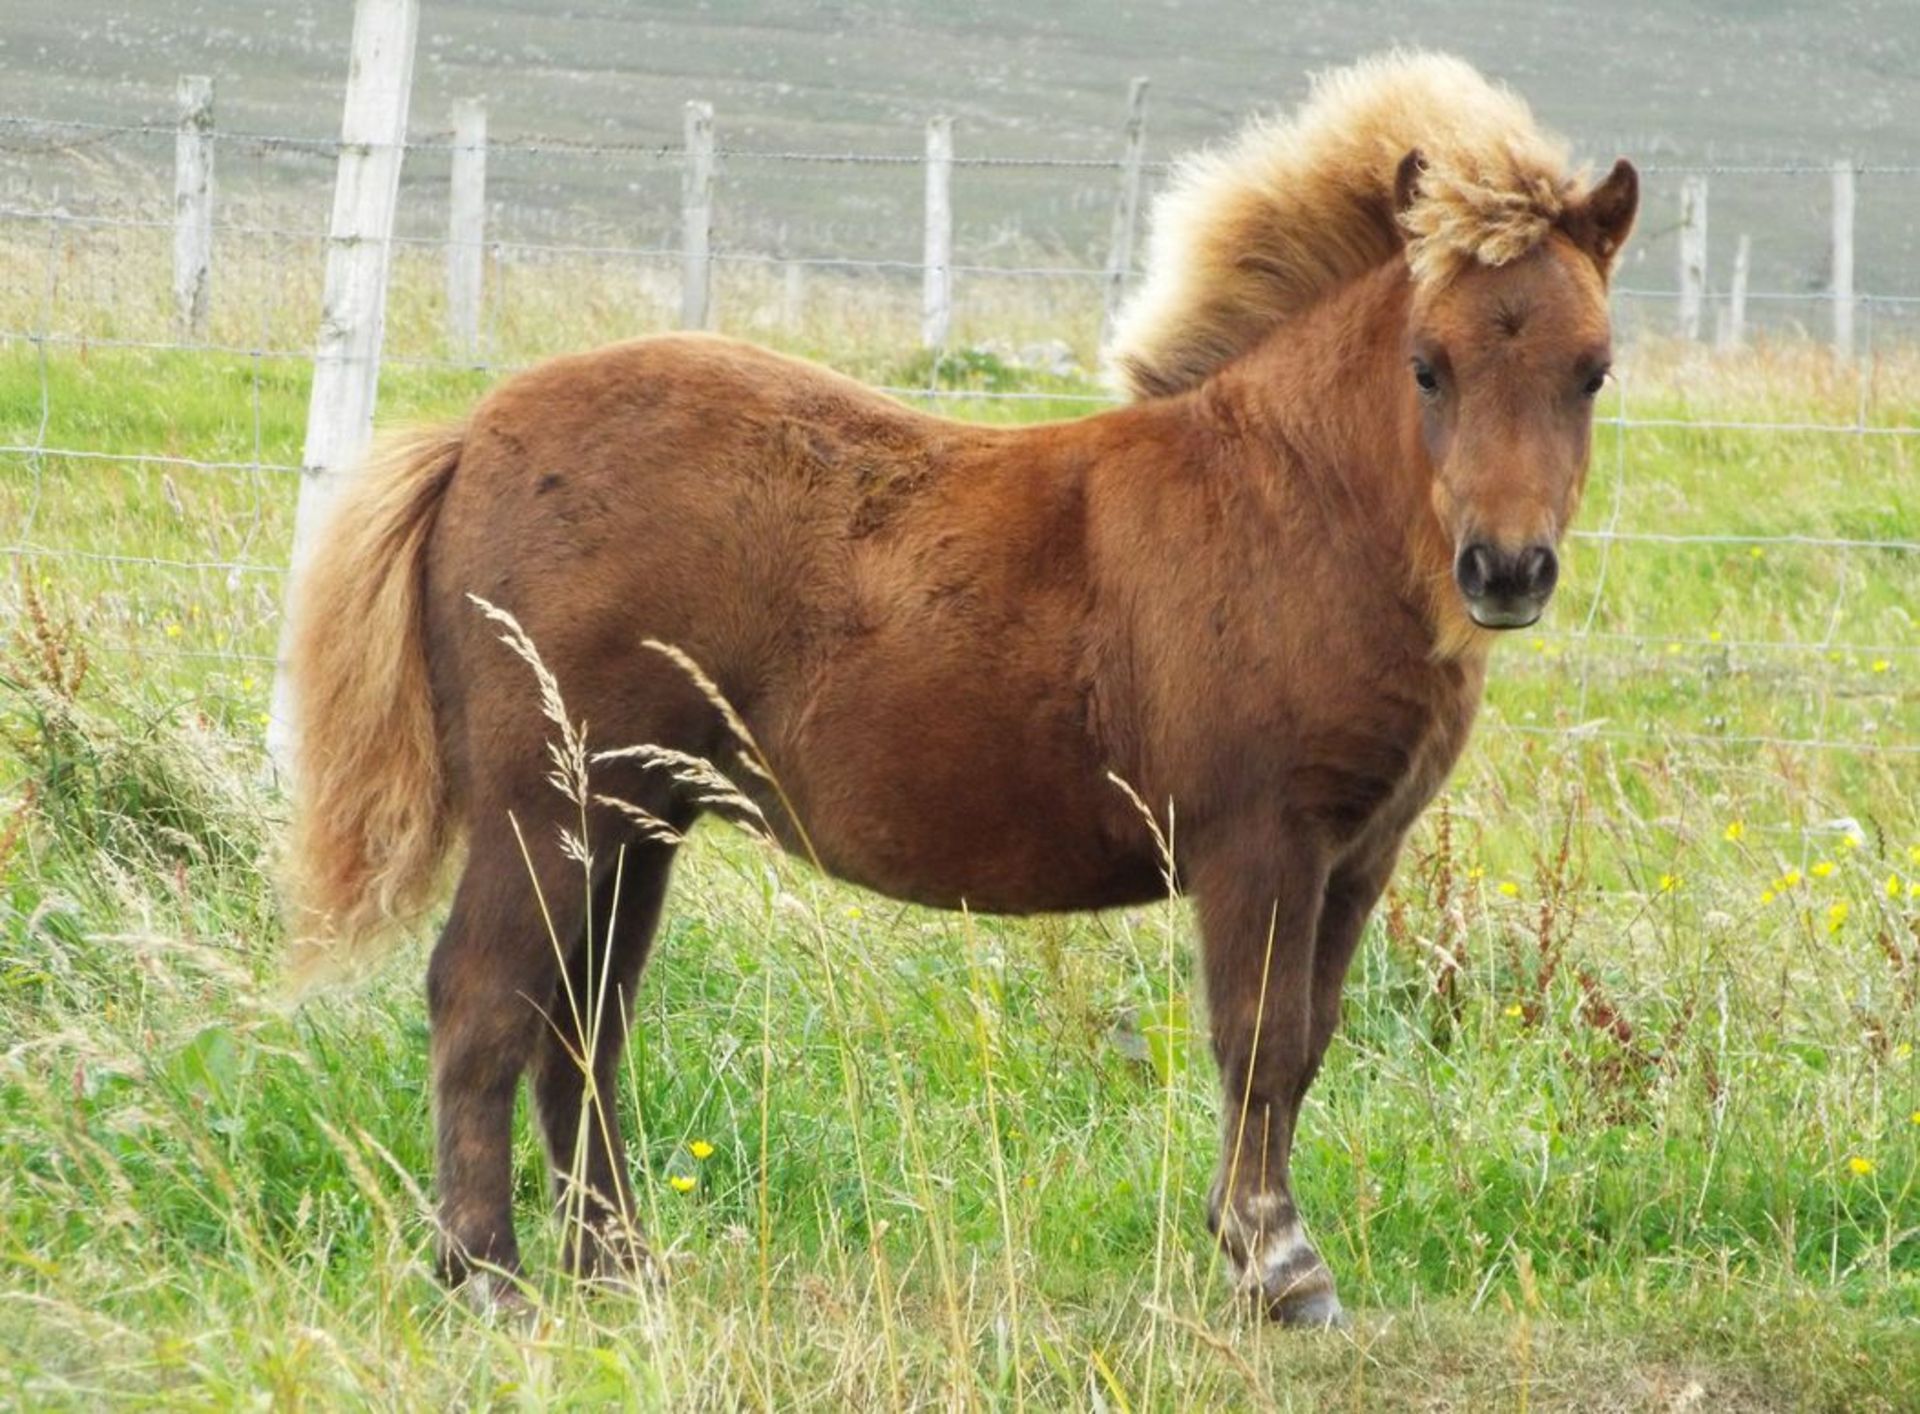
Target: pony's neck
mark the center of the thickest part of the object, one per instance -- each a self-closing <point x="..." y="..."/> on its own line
<point x="1331" y="396"/>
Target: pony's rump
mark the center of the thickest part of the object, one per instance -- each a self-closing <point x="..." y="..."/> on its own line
<point x="371" y="817"/>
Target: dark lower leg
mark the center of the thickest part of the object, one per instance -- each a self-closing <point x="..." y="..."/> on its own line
<point x="1259" y="950"/>
<point x="576" y="1062"/>
<point x="1257" y="1218"/>
<point x="1252" y="1210"/>
<point x="491" y="970"/>
<point x="1343" y="916"/>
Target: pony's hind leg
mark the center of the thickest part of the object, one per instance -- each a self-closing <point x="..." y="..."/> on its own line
<point x="576" y="1060"/>
<point x="491" y="973"/>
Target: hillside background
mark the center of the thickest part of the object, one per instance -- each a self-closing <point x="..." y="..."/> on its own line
<point x="1733" y="82"/>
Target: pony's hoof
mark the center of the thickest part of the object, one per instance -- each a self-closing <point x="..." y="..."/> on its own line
<point x="1317" y="1309"/>
<point x="497" y="1297"/>
<point x="635" y="1274"/>
<point x="616" y="1257"/>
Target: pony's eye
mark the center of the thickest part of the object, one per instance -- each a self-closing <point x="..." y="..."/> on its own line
<point x="1425" y="378"/>
<point x="1594" y="384"/>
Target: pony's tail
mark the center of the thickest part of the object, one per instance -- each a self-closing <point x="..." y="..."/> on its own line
<point x="371" y="816"/>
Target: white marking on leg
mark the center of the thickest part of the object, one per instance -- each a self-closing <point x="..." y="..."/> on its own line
<point x="1283" y="1260"/>
<point x="1279" y="1262"/>
<point x="1260" y="1210"/>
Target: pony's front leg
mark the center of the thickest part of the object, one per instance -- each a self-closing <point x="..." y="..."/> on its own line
<point x="1259" y="897"/>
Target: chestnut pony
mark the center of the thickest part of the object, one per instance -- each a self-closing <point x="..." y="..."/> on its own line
<point x="1363" y="366"/>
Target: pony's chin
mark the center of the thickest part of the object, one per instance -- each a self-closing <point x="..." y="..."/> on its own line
<point x="1505" y="616"/>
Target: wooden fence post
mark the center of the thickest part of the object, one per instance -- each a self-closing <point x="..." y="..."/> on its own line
<point x="1126" y="206"/>
<point x="696" y="217"/>
<point x="936" y="290"/>
<point x="193" y="203"/>
<point x="467" y="225"/>
<point x="1693" y="255"/>
<point x="346" y="361"/>
<point x="793" y="294"/>
<point x="1843" y="198"/>
<point x="1734" y="332"/>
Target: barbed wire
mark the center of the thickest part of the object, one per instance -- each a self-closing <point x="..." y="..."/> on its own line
<point x="899" y="265"/>
<point x="1547" y="643"/>
<point x="1819" y="542"/>
<point x="141" y="459"/>
<point x="1791" y="296"/>
<point x="441" y="140"/>
<point x="988" y="395"/>
<point x="59" y="552"/>
<point x="1742" y="741"/>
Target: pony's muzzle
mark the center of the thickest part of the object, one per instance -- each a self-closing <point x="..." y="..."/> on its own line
<point x="1505" y="589"/>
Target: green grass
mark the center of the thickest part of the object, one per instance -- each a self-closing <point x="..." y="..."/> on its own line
<point x="1588" y="1138"/>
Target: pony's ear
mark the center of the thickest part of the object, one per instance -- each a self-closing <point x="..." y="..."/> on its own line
<point x="1406" y="180"/>
<point x="1608" y="214"/>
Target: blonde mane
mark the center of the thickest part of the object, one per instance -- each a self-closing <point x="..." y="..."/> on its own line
<point x="1251" y="235"/>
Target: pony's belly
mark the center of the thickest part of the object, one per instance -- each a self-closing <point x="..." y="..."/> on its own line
<point x="978" y="808"/>
<point x="952" y="861"/>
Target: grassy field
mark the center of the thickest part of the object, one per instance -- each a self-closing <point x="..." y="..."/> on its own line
<point x="1625" y="1113"/>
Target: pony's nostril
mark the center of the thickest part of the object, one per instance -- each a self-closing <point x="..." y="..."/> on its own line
<point x="1473" y="571"/>
<point x="1540" y="571"/>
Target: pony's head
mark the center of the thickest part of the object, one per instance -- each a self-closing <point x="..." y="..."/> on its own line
<point x="1504" y="360"/>
<point x="1412" y="158"/>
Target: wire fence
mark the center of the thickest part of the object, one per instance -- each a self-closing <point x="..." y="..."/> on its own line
<point x="155" y="463"/>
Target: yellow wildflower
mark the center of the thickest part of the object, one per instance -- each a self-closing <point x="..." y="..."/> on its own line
<point x="1852" y="840"/>
<point x="1860" y="1166"/>
<point x="1735" y="830"/>
<point x="1766" y="895"/>
<point x="681" y="1182"/>
<point x="1915" y="1117"/>
<point x="1516" y="1010"/>
<point x="1880" y="665"/>
<point x="1509" y="888"/>
<point x="1913" y="853"/>
<point x="1757" y="553"/>
<point x="1673" y="648"/>
<point x="853" y="912"/>
<point x="1713" y="635"/>
<point x="1790" y="878"/>
<point x="1836" y="916"/>
<point x="1822" y="868"/>
<point x="1903" y="1050"/>
<point x="1479" y="871"/>
<point x="700" y="1149"/>
<point x="246" y="684"/>
<point x="173" y="630"/>
<point x="1539" y="645"/>
<point x="1893" y="886"/>
<point x="1669" y="882"/>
